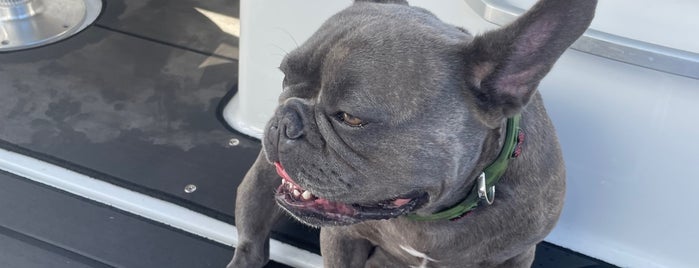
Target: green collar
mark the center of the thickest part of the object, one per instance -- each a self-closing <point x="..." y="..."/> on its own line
<point x="484" y="188"/>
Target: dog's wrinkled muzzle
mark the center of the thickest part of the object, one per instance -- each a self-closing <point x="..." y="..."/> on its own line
<point x="287" y="127"/>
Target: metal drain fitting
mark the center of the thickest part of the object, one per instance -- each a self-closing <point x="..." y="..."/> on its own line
<point x="32" y="23"/>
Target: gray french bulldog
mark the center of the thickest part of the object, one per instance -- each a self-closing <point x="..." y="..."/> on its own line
<point x="390" y="119"/>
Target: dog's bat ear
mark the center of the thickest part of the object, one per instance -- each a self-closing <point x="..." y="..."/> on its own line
<point x="401" y="2"/>
<point x="506" y="65"/>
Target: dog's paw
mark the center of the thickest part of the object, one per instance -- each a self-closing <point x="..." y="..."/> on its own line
<point x="241" y="262"/>
<point x="246" y="258"/>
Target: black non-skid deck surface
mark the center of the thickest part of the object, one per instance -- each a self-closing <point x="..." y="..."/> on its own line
<point x="137" y="106"/>
<point x="45" y="227"/>
<point x="133" y="100"/>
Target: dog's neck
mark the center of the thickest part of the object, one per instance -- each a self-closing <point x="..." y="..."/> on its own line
<point x="483" y="189"/>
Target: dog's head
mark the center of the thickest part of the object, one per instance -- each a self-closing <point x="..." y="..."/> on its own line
<point x="386" y="110"/>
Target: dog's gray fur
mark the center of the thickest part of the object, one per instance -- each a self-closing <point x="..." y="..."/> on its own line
<point x="433" y="100"/>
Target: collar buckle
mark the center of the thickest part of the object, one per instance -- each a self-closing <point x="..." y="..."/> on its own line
<point x="485" y="193"/>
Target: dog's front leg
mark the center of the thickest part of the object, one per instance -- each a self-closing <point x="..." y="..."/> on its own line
<point x="255" y="214"/>
<point x="341" y="250"/>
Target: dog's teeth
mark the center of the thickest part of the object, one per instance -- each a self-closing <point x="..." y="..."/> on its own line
<point x="296" y="193"/>
<point x="306" y="195"/>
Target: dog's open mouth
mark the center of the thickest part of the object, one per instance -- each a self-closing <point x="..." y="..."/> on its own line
<point x="318" y="211"/>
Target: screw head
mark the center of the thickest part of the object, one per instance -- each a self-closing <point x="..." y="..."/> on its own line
<point x="190" y="188"/>
<point x="233" y="142"/>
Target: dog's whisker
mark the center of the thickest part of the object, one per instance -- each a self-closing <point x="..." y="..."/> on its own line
<point x="288" y="34"/>
<point x="284" y="51"/>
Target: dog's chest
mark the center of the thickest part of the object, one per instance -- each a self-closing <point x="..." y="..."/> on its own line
<point x="414" y="247"/>
<point x="422" y="257"/>
<point x="424" y="245"/>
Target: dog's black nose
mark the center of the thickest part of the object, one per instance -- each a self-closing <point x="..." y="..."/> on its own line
<point x="292" y="121"/>
<point x="292" y="126"/>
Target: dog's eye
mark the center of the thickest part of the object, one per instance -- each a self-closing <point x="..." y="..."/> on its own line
<point x="349" y="119"/>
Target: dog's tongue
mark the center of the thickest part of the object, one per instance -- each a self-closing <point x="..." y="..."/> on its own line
<point x="401" y="201"/>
